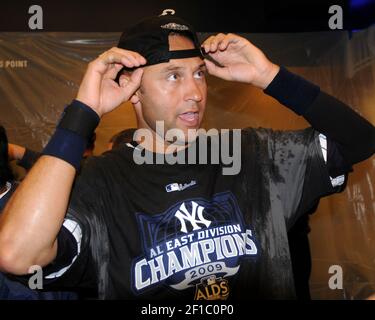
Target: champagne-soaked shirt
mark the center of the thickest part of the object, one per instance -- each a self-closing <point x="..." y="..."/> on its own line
<point x="189" y="231"/>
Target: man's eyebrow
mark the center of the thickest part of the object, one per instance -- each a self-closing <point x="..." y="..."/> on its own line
<point x="171" y="68"/>
<point x="202" y="66"/>
<point x="178" y="68"/>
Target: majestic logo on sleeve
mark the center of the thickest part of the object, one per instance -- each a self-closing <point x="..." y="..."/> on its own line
<point x="196" y="243"/>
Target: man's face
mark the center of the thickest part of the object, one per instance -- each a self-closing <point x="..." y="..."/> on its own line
<point x="174" y="92"/>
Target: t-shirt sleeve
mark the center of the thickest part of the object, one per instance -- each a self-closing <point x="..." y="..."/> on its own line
<point x="70" y="270"/>
<point x="72" y="267"/>
<point x="299" y="171"/>
<point x="82" y="240"/>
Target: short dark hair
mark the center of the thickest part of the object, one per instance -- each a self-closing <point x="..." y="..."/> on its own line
<point x="6" y="173"/>
<point x="122" y="137"/>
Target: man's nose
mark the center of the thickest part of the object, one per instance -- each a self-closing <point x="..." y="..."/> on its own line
<point x="193" y="90"/>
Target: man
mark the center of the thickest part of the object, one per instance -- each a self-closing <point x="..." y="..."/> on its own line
<point x="13" y="290"/>
<point x="181" y="231"/>
<point x="26" y="157"/>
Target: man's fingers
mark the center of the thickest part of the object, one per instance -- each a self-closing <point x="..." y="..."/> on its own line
<point x="131" y="86"/>
<point x="216" y="41"/>
<point x="127" y="58"/>
<point x="112" y="71"/>
<point x="220" y="72"/>
<point x="110" y="57"/>
<point x="140" y="59"/>
<point x="133" y="60"/>
<point x="213" y="43"/>
<point x="207" y="44"/>
<point x="228" y="39"/>
<point x="219" y="42"/>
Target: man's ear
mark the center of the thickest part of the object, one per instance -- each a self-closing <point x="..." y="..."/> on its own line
<point x="137" y="105"/>
<point x="135" y="98"/>
<point x="124" y="79"/>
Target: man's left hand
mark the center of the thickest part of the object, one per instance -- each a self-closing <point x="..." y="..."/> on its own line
<point x="240" y="60"/>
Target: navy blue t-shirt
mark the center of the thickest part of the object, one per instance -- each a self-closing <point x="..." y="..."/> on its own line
<point x="214" y="236"/>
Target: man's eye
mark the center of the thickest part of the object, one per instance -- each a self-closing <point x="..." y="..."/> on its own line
<point x="200" y="74"/>
<point x="173" y="77"/>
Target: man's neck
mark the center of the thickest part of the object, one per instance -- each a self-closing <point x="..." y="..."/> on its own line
<point x="158" y="145"/>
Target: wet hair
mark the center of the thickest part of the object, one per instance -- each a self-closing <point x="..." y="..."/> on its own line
<point x="6" y="173"/>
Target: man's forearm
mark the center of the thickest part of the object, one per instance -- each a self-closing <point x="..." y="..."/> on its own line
<point x="354" y="135"/>
<point x="33" y="217"/>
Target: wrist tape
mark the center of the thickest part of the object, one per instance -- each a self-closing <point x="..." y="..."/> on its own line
<point x="76" y="126"/>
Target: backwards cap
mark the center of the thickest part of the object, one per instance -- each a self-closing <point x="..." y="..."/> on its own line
<point x="150" y="38"/>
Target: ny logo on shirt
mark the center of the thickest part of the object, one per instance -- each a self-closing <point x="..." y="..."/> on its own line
<point x="183" y="215"/>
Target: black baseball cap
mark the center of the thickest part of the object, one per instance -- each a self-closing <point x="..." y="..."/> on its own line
<point x="150" y="39"/>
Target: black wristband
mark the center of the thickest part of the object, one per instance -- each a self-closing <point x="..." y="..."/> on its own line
<point x="66" y="145"/>
<point x="79" y="118"/>
<point x="76" y="126"/>
<point x="29" y="158"/>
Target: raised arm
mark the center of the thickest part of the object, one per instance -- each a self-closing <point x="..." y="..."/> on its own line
<point x="34" y="215"/>
<point x="241" y="61"/>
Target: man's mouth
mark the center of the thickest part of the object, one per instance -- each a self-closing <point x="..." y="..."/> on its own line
<point x="190" y="118"/>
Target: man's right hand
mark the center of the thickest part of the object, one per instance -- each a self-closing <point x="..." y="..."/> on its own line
<point x="99" y="90"/>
